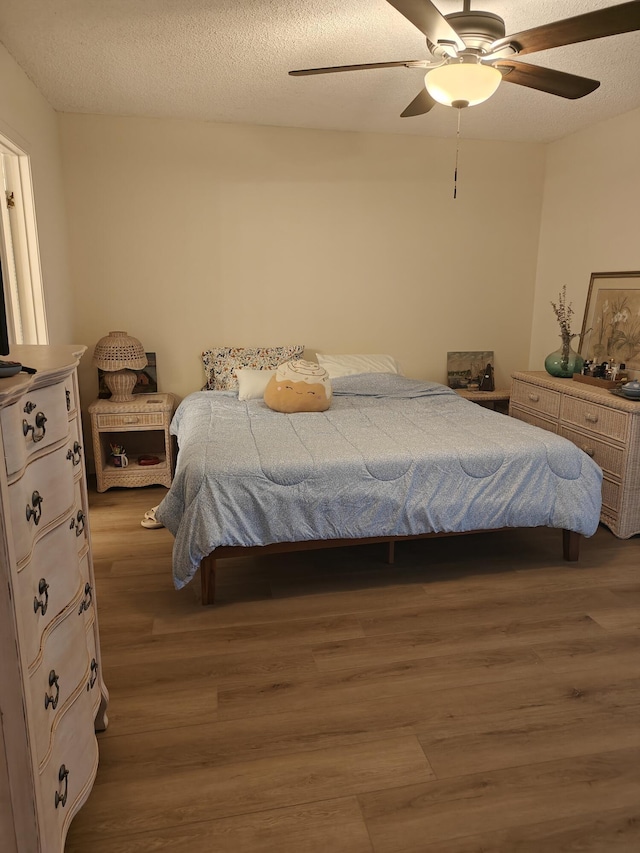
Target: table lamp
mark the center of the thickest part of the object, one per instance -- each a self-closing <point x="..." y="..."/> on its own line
<point x="119" y="356"/>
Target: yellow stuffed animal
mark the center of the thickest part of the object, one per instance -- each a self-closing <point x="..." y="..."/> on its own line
<point x="299" y="386"/>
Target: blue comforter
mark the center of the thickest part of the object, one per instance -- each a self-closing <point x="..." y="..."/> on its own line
<point x="391" y="457"/>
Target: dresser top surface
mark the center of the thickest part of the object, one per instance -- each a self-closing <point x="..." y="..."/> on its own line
<point x="49" y="362"/>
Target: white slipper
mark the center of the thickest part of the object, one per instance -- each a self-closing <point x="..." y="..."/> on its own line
<point x="150" y="519"/>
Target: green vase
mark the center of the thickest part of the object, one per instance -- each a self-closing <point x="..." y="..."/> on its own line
<point x="564" y="362"/>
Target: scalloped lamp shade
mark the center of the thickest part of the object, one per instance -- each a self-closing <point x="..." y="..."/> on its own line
<point x="119" y="355"/>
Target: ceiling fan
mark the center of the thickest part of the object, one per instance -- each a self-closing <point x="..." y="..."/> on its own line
<point x="471" y="55"/>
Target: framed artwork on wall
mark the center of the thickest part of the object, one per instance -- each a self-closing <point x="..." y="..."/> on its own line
<point x="611" y="324"/>
<point x="465" y="369"/>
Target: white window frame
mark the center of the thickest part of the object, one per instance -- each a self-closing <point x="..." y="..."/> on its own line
<point x="19" y="248"/>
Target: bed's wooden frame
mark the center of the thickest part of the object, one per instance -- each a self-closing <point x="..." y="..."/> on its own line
<point x="570" y="552"/>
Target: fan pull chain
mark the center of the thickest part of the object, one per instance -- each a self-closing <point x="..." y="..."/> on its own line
<point x="455" y="173"/>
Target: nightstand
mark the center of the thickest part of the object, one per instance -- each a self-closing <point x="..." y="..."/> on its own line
<point x="497" y="400"/>
<point x="141" y="426"/>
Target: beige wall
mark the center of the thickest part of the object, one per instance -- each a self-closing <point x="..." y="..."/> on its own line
<point x="189" y="235"/>
<point x="590" y="220"/>
<point x="28" y="120"/>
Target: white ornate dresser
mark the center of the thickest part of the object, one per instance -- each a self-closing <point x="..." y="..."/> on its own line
<point x="52" y="696"/>
<point x="604" y="425"/>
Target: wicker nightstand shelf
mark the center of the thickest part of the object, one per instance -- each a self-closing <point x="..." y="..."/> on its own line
<point x="141" y="426"/>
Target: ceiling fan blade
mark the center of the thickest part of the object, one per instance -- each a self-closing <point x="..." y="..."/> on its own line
<point x="545" y="79"/>
<point x="335" y="68"/>
<point x="624" y="18"/>
<point x="420" y="105"/>
<point x="424" y="15"/>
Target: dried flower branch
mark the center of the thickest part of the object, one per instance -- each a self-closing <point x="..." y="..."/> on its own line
<point x="564" y="312"/>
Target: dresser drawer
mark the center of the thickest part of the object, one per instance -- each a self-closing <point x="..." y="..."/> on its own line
<point x="540" y="400"/>
<point x="609" y="457"/>
<point x="61" y="669"/>
<point x="599" y="419"/>
<point x="79" y="521"/>
<point x="75" y="451"/>
<point x="610" y="495"/>
<point x="70" y="770"/>
<point x="532" y="418"/>
<point x="93" y="681"/>
<point x="36" y="421"/>
<point x="71" y="395"/>
<point x="52" y="577"/>
<point x="42" y="494"/>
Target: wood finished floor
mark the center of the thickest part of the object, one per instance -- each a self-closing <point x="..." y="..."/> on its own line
<point x="480" y="695"/>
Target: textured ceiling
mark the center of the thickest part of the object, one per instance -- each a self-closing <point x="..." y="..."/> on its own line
<point x="227" y="61"/>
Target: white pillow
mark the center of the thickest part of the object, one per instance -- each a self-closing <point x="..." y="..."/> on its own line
<point x="349" y="365"/>
<point x="252" y="383"/>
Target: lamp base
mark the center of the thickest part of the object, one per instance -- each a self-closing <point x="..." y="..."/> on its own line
<point x="121" y="384"/>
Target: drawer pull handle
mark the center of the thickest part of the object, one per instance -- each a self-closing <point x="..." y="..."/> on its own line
<point x="592" y="419"/>
<point x="52" y="700"/>
<point x="27" y="428"/>
<point x="35" y="510"/>
<point x="78" y="522"/>
<point x="38" y="604"/>
<point x="589" y="451"/>
<point x="94" y="674"/>
<point x="533" y="397"/>
<point x="68" y="396"/>
<point x="74" y="455"/>
<point x="88" y="598"/>
<point x="29" y="407"/>
<point x="130" y="420"/>
<point x="63" y="776"/>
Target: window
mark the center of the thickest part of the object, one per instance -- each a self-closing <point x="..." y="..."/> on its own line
<point x="24" y="296"/>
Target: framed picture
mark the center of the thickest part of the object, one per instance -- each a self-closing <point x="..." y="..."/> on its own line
<point x="466" y="369"/>
<point x="611" y="325"/>
<point x="147" y="382"/>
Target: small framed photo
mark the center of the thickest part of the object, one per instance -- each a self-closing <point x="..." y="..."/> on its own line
<point x="611" y="324"/>
<point x="466" y="369"/>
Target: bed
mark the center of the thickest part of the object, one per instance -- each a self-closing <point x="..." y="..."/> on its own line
<point x="392" y="458"/>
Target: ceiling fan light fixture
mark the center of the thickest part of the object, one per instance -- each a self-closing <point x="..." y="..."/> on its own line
<point x="462" y="83"/>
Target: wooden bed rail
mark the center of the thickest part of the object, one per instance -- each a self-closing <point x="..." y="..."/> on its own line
<point x="570" y="551"/>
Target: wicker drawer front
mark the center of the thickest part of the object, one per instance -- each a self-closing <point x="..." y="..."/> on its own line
<point x="130" y="421"/>
<point x="609" y="458"/>
<point x="600" y="419"/>
<point x="610" y="495"/>
<point x="533" y="419"/>
<point x="538" y="399"/>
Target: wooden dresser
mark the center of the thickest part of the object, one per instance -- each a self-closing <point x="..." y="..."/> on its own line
<point x="604" y="425"/>
<point x="52" y="696"/>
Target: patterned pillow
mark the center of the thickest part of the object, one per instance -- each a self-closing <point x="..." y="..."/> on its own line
<point x="221" y="363"/>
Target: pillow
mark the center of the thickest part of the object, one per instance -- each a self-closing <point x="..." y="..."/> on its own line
<point x="251" y="383"/>
<point x="299" y="386"/>
<point x="349" y="365"/>
<point x="221" y="363"/>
